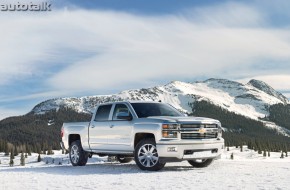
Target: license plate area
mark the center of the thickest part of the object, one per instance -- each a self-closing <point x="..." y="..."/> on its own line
<point x="200" y="153"/>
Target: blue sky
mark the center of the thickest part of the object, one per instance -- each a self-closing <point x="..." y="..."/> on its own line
<point x="90" y="47"/>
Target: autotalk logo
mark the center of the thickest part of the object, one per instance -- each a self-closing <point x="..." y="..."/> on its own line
<point x="43" y="6"/>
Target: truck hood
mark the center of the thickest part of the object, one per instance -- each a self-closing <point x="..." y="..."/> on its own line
<point x="186" y="119"/>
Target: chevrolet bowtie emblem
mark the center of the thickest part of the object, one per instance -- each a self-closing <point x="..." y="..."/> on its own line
<point x="202" y="130"/>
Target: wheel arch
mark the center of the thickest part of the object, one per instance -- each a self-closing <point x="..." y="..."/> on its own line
<point x="73" y="137"/>
<point x="139" y="136"/>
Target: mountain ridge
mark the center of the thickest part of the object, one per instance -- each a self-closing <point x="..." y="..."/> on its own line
<point x="251" y="100"/>
<point x="179" y="93"/>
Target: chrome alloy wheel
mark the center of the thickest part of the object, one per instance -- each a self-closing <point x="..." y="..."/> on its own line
<point x="74" y="154"/>
<point x="147" y="155"/>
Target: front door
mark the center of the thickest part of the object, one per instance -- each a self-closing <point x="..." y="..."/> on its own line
<point x="120" y="135"/>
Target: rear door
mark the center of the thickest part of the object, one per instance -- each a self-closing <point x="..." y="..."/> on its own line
<point x="100" y="128"/>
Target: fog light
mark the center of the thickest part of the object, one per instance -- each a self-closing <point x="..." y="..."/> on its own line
<point x="171" y="149"/>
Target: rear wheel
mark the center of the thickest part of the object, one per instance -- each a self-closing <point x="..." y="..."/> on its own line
<point x="200" y="163"/>
<point x="146" y="156"/>
<point x="123" y="159"/>
<point x="78" y="156"/>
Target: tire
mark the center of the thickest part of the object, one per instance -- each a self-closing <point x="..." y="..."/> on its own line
<point x="200" y="163"/>
<point x="146" y="156"/>
<point x="78" y="157"/>
<point x="123" y="159"/>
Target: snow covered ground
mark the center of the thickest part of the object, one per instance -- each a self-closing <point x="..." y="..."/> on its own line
<point x="248" y="170"/>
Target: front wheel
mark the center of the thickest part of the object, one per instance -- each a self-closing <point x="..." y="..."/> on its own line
<point x="78" y="156"/>
<point x="200" y="163"/>
<point x="146" y="156"/>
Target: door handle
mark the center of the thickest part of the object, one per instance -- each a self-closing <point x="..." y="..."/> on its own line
<point x="111" y="126"/>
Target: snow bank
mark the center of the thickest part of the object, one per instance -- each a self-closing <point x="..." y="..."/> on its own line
<point x="248" y="170"/>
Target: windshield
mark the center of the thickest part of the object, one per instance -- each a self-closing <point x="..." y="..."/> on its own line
<point x="154" y="109"/>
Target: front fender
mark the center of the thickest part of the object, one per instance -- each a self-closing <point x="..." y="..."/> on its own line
<point x="152" y="128"/>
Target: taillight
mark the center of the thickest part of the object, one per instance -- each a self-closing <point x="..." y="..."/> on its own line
<point x="61" y="132"/>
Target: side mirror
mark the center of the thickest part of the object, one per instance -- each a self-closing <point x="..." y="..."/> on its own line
<point x="124" y="116"/>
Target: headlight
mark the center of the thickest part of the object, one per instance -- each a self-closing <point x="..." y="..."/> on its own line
<point x="170" y="126"/>
<point x="170" y="130"/>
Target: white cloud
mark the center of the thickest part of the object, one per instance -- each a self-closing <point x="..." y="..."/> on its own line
<point x="135" y="48"/>
<point x="229" y="14"/>
<point x="114" y="50"/>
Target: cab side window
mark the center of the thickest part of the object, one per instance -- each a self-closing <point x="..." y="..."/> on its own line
<point x="103" y="113"/>
<point x="120" y="108"/>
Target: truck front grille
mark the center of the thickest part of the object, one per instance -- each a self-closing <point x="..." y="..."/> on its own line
<point x="197" y="126"/>
<point x="198" y="135"/>
<point x="198" y="131"/>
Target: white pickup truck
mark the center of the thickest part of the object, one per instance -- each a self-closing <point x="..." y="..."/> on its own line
<point x="152" y="133"/>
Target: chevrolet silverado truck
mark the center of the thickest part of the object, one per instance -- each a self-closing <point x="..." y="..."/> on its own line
<point x="151" y="133"/>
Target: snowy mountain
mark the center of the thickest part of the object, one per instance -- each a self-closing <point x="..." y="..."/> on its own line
<point x="251" y="100"/>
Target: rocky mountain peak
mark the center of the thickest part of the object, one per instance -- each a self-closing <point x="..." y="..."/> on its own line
<point x="267" y="89"/>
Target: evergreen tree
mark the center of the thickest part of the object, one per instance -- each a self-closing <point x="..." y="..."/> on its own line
<point x="44" y="148"/>
<point x="49" y="151"/>
<point x="241" y="148"/>
<point x="25" y="155"/>
<point x="38" y="149"/>
<point x="0" y="161"/>
<point x="62" y="151"/>
<point x="228" y="148"/>
<point x="282" y="155"/>
<point x="15" y="151"/>
<point x="11" y="163"/>
<point x="232" y="156"/>
<point x="249" y="145"/>
<point x="22" y="159"/>
<point x="259" y="151"/>
<point x="12" y="154"/>
<point x="32" y="129"/>
<point x="268" y="153"/>
<point x="38" y="158"/>
<point x="6" y="149"/>
<point x="264" y="153"/>
<point x="1" y="146"/>
<point x="29" y="150"/>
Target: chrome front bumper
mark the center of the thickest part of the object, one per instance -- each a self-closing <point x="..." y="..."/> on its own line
<point x="190" y="150"/>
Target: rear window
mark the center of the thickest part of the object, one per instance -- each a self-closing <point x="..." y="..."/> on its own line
<point x="103" y="113"/>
